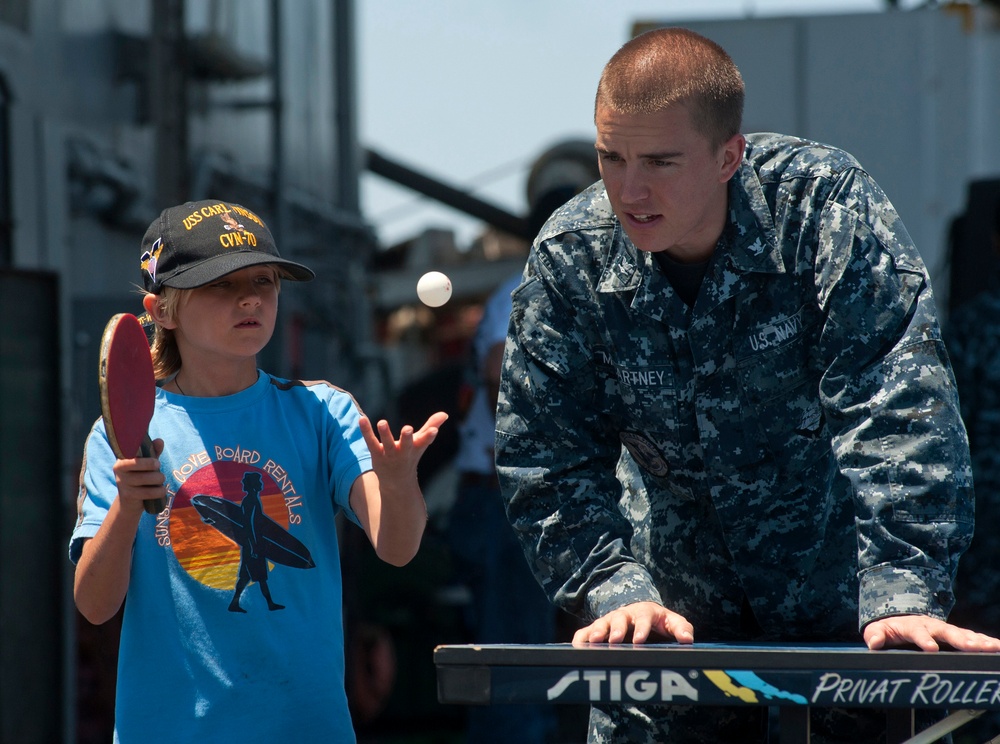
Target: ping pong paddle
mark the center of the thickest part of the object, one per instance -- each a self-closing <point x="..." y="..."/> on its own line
<point x="128" y="391"/>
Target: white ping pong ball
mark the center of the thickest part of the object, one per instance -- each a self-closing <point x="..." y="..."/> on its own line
<point x="434" y="289"/>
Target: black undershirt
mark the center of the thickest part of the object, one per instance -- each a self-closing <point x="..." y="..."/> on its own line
<point x="685" y="278"/>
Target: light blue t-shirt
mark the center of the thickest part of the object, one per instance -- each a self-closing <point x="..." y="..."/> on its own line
<point x="477" y="430"/>
<point x="254" y="483"/>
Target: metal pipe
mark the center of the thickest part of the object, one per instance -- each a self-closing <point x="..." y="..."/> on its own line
<point x="347" y="197"/>
<point x="460" y="200"/>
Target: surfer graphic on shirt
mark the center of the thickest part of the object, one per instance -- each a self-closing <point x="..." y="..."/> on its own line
<point x="259" y="538"/>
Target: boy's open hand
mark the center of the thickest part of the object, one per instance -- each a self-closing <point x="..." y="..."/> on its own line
<point x="394" y="459"/>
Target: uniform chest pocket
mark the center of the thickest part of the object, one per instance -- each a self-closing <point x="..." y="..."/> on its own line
<point x="641" y="381"/>
<point x="643" y="402"/>
<point x="779" y="385"/>
<point x="774" y="373"/>
<point x="774" y="357"/>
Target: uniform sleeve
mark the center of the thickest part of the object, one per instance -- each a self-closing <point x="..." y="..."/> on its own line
<point x="890" y="396"/>
<point x="556" y="457"/>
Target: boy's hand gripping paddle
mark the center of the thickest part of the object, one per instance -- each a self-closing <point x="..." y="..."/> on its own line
<point x="128" y="391"/>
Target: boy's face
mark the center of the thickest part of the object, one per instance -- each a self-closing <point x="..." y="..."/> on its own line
<point x="231" y="318"/>
<point x="666" y="181"/>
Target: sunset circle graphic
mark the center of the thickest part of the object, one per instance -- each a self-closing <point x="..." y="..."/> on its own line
<point x="203" y="551"/>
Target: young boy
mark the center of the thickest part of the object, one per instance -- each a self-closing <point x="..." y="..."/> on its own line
<point x="254" y="470"/>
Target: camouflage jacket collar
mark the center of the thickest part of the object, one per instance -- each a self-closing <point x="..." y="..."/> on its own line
<point x="754" y="245"/>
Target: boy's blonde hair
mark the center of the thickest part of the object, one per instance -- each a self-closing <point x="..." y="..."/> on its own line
<point x="166" y="355"/>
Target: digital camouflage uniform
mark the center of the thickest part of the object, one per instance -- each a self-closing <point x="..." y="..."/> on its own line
<point x="795" y="464"/>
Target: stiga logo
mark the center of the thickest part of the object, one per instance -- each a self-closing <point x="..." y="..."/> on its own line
<point x="640" y="686"/>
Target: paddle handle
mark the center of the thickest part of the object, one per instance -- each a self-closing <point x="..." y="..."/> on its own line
<point x="152" y="506"/>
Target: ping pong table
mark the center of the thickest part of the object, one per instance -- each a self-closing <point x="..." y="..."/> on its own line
<point x="791" y="678"/>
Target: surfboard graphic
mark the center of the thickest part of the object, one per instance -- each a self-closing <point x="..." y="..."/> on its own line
<point x="274" y="542"/>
